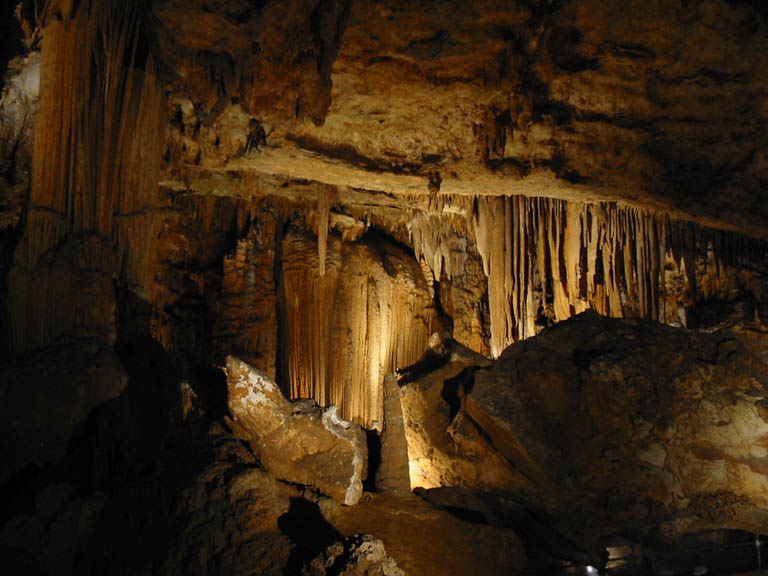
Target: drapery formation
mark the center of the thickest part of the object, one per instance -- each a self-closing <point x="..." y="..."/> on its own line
<point x="548" y="259"/>
<point x="96" y="164"/>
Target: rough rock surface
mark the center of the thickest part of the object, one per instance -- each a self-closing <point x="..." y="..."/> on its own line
<point x="358" y="555"/>
<point x="393" y="472"/>
<point x="579" y="99"/>
<point x="628" y="426"/>
<point x="18" y="107"/>
<point x="296" y="441"/>
<point x="444" y="447"/>
<point x="230" y="519"/>
<point x="426" y="540"/>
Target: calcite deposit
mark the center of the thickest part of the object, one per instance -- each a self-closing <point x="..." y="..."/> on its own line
<point x="315" y="187"/>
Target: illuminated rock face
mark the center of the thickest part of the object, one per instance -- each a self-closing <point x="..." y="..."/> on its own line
<point x="318" y="185"/>
<point x="299" y="441"/>
<point x="627" y="426"/>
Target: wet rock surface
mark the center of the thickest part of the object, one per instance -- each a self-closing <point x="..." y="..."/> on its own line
<point x="315" y="186"/>
<point x="297" y="441"/>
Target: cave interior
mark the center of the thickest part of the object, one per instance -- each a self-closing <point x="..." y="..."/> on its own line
<point x="383" y="287"/>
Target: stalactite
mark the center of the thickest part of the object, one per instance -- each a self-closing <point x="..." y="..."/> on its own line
<point x="547" y="259"/>
<point x="96" y="162"/>
<point x="246" y="319"/>
<point x="323" y="209"/>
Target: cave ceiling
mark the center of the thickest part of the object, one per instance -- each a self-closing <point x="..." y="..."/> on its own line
<point x="660" y="105"/>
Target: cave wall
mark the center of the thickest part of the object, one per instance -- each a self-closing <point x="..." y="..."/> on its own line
<point x="217" y="164"/>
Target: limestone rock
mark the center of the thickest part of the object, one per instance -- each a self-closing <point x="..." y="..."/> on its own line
<point x="372" y="311"/>
<point x="628" y="426"/>
<point x="18" y="108"/>
<point x="427" y="541"/>
<point x="229" y="518"/>
<point x="358" y="555"/>
<point x="445" y="448"/>
<point x="296" y="441"/>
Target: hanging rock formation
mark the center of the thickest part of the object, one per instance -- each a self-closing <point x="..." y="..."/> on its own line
<point x="298" y="441"/>
<point x="547" y="260"/>
<point x="96" y="164"/>
<point x="246" y="322"/>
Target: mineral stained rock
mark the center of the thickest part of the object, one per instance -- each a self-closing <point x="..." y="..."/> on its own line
<point x="628" y="426"/>
<point x="445" y="448"/>
<point x="428" y="541"/>
<point x="358" y="555"/>
<point x="296" y="441"/>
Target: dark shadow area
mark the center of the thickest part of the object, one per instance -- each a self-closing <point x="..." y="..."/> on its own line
<point x="309" y="532"/>
<point x="455" y="388"/>
<point x="10" y="36"/>
<point x="429" y="362"/>
<point x="373" y="440"/>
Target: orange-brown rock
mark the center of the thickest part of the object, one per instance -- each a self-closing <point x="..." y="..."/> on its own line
<point x="429" y="541"/>
<point x="627" y="426"/>
<point x="342" y="331"/>
<point x="445" y="448"/>
<point x="296" y="441"/>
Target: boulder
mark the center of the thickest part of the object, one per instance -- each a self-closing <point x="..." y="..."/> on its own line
<point x="631" y="427"/>
<point x="228" y="518"/>
<point x="296" y="441"/>
<point x="445" y="447"/>
<point x="358" y="555"/>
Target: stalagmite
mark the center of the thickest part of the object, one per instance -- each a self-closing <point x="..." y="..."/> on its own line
<point x="393" y="474"/>
<point x="549" y="259"/>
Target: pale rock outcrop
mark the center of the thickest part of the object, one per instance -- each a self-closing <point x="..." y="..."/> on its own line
<point x="296" y="441"/>
<point x="358" y="555"/>
<point x="445" y="448"/>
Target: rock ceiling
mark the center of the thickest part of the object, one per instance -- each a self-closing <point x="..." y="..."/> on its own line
<point x="661" y="105"/>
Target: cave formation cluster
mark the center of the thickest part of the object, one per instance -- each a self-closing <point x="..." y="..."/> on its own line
<point x="308" y="286"/>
